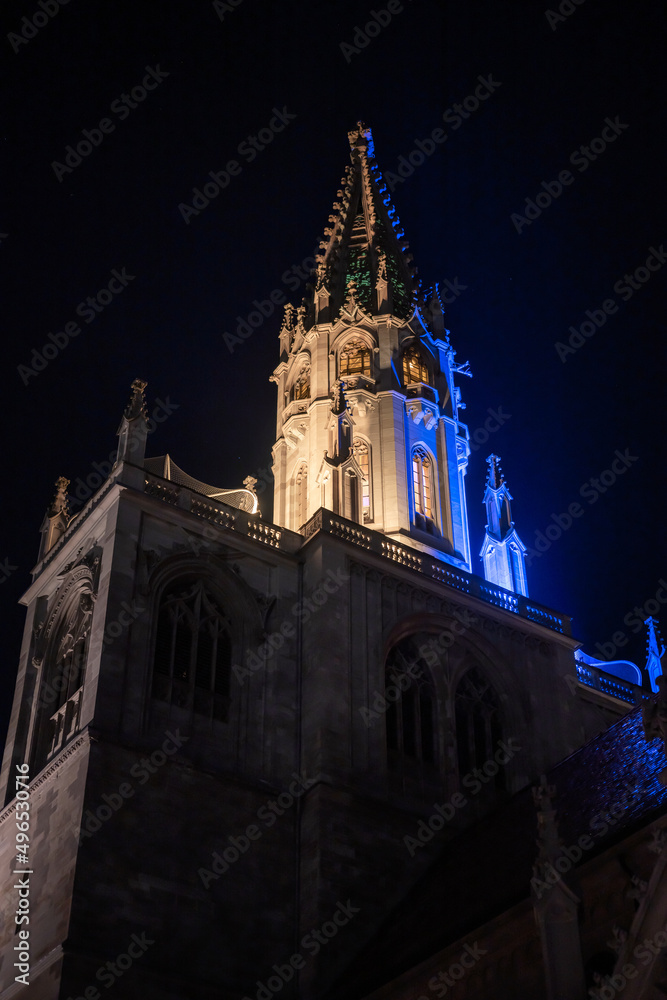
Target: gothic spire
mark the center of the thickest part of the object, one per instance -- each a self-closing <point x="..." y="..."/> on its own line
<point x="655" y="650"/>
<point x="60" y="501"/>
<point x="555" y="904"/>
<point x="494" y="474"/>
<point x="503" y="552"/>
<point x="364" y="244"/>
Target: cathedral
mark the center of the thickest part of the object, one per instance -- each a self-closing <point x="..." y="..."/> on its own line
<point x="321" y="756"/>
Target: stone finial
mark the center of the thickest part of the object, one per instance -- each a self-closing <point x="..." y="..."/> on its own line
<point x="57" y="518"/>
<point x="60" y="502"/>
<point x="137" y="405"/>
<point x="361" y="138"/>
<point x="250" y="482"/>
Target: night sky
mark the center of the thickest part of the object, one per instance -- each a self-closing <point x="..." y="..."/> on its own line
<point x="220" y="73"/>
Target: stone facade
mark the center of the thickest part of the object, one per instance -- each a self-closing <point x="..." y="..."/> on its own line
<point x="245" y="742"/>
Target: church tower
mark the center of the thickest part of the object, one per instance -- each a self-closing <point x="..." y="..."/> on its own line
<point x="368" y="410"/>
<point x="243" y="742"/>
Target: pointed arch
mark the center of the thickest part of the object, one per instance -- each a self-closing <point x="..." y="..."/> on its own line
<point x="411" y="732"/>
<point x="478" y="723"/>
<point x="362" y="453"/>
<point x="354" y="359"/>
<point x="300" y="388"/>
<point x="193" y="649"/>
<point x="423" y="483"/>
<point x="415" y="367"/>
<point x="61" y="650"/>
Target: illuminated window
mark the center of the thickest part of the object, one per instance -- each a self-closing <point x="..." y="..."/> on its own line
<point x="191" y="668"/>
<point x="422" y="482"/>
<point x="478" y="729"/>
<point x="301" y="387"/>
<point x="410" y="718"/>
<point x="361" y="452"/>
<point x="414" y="367"/>
<point x="355" y="359"/>
<point x="301" y="495"/>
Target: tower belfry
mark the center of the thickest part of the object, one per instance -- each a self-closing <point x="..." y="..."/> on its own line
<point x="369" y="339"/>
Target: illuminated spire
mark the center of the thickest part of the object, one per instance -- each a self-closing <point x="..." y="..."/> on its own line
<point x="503" y="552"/>
<point x="655" y="650"/>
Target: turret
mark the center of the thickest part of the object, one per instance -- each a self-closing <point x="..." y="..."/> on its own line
<point x="503" y="552"/>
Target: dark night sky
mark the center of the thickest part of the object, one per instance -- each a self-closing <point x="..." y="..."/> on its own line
<point x="119" y="209"/>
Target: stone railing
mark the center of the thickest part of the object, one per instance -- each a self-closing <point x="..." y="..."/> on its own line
<point x="371" y="541"/>
<point x="608" y="684"/>
<point x="443" y="572"/>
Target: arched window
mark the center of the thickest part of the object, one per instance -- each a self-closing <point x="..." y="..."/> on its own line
<point x="362" y="455"/>
<point x="65" y="661"/>
<point x="301" y="387"/>
<point x="301" y="495"/>
<point x="478" y="730"/>
<point x="415" y="368"/>
<point x="193" y="650"/>
<point x="355" y="359"/>
<point x="422" y="482"/>
<point x="71" y="649"/>
<point x="410" y="718"/>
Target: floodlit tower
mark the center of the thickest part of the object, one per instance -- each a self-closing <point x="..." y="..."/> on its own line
<point x="368" y="413"/>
